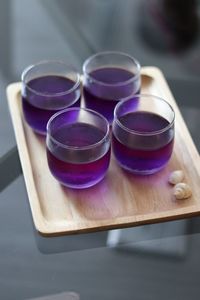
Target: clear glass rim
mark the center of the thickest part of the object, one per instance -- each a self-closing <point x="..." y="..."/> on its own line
<point x="89" y="59"/>
<point x="140" y="132"/>
<point x="106" y="135"/>
<point x="45" y="62"/>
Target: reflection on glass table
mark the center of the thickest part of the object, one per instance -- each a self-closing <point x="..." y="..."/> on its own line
<point x="165" y="239"/>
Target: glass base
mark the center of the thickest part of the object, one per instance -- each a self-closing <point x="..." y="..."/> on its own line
<point x="39" y="132"/>
<point x="142" y="172"/>
<point x="84" y="185"/>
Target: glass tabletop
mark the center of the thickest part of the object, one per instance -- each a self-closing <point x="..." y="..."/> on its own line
<point x="159" y="261"/>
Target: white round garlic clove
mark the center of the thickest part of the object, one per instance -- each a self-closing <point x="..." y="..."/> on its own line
<point x="182" y="191"/>
<point x="176" y="177"/>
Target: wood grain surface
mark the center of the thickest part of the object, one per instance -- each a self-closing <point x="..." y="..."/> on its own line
<point x="121" y="199"/>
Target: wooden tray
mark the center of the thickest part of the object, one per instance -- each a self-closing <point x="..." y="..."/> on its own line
<point x="119" y="200"/>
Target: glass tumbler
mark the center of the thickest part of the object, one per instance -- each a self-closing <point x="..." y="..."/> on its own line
<point x="78" y="147"/>
<point x="108" y="77"/>
<point x="47" y="87"/>
<point x="143" y="133"/>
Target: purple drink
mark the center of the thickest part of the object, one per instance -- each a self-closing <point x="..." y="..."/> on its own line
<point x="143" y="154"/>
<point x="78" y="153"/>
<point x="108" y="78"/>
<point x="48" y="87"/>
<point x="38" y="111"/>
<point x="143" y="134"/>
<point x="104" y="98"/>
